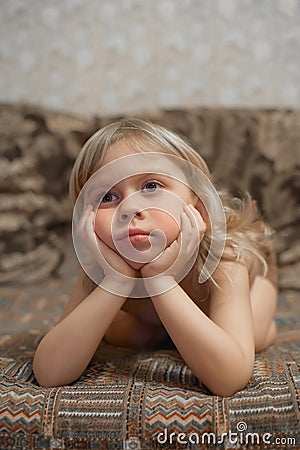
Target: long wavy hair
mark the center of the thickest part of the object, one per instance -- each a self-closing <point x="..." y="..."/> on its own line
<point x="247" y="236"/>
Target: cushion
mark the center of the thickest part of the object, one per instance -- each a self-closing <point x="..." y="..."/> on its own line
<point x="139" y="400"/>
<point x="37" y="150"/>
<point x="255" y="150"/>
<point x="147" y="399"/>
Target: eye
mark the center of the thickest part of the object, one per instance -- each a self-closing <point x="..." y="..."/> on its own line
<point x="151" y="186"/>
<point x="107" y="198"/>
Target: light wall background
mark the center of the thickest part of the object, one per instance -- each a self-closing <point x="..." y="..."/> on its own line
<point x="117" y="56"/>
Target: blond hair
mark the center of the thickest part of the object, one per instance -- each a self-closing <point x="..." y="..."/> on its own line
<point x="247" y="236"/>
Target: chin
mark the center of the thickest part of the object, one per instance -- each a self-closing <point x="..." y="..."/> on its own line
<point x="135" y="265"/>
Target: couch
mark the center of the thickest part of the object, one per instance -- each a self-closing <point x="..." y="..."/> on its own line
<point x="146" y="399"/>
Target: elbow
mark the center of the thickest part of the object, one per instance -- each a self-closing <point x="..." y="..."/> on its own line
<point x="43" y="380"/>
<point x="227" y="390"/>
<point x="46" y="382"/>
<point x="41" y="370"/>
<point x="50" y="380"/>
<point x="229" y="381"/>
<point x="44" y="376"/>
<point x="51" y="369"/>
<point x="49" y="376"/>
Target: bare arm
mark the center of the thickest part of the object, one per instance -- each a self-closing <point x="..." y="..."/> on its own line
<point x="220" y="348"/>
<point x="64" y="353"/>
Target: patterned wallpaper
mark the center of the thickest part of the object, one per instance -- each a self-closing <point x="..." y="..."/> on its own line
<point x="115" y="56"/>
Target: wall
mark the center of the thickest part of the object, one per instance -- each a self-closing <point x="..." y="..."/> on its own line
<point x="115" y="56"/>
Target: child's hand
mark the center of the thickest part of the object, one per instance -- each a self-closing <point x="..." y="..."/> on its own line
<point x="182" y="249"/>
<point x="111" y="263"/>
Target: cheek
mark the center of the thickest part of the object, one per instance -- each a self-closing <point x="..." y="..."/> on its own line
<point x="168" y="225"/>
<point x="102" y="226"/>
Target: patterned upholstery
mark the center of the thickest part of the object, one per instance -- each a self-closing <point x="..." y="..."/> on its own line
<point x="246" y="150"/>
<point x="129" y="399"/>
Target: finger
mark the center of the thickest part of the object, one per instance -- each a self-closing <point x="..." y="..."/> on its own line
<point x="90" y="231"/>
<point x="198" y="218"/>
<point x="198" y="227"/>
<point x="88" y="221"/>
<point x="193" y="215"/>
<point x="107" y="256"/>
<point x="186" y="230"/>
<point x="185" y="224"/>
<point x="99" y="249"/>
<point x="84" y="217"/>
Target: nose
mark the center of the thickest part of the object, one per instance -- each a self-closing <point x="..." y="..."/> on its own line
<point x="127" y="212"/>
<point x="125" y="217"/>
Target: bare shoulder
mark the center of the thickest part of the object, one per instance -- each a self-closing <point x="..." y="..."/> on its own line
<point x="230" y="290"/>
<point x="230" y="304"/>
<point x="231" y="275"/>
<point x="78" y="294"/>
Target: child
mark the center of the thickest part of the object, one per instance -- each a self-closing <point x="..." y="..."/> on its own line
<point x="216" y="324"/>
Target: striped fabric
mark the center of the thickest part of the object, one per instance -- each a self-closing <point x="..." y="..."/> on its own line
<point x="148" y="400"/>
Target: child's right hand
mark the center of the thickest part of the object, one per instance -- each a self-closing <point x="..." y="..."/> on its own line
<point x="112" y="264"/>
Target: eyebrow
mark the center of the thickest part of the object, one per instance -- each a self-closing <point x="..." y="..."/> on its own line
<point x="155" y="174"/>
<point x="148" y="174"/>
<point x="103" y="188"/>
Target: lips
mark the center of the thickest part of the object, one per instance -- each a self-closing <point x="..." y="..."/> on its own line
<point x="133" y="232"/>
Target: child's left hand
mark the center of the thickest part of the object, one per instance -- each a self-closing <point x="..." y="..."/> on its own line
<point x="182" y="249"/>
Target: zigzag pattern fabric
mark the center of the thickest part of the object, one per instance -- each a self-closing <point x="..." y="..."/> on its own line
<point x="148" y="400"/>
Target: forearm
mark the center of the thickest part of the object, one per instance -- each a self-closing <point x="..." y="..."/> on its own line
<point x="66" y="350"/>
<point x="211" y="352"/>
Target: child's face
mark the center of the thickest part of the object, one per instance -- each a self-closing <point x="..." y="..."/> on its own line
<point x="134" y="216"/>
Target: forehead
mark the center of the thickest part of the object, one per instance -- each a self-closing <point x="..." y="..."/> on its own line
<point x="134" y="180"/>
<point x="122" y="161"/>
<point x="118" y="150"/>
<point x="157" y="161"/>
<point x="121" y="149"/>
